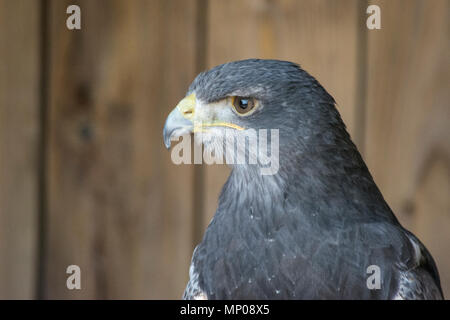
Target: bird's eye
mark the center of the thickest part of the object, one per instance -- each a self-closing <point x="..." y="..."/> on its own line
<point x="243" y="105"/>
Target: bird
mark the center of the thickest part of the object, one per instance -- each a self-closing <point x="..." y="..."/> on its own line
<point x="318" y="227"/>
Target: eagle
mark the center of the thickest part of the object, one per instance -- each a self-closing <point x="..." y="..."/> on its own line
<point x="317" y="227"/>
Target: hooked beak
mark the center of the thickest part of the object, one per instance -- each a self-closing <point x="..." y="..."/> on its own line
<point x="179" y="122"/>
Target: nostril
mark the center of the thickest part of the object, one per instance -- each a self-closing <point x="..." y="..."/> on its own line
<point x="188" y="113"/>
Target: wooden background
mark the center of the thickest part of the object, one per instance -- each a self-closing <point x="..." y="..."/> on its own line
<point x="85" y="178"/>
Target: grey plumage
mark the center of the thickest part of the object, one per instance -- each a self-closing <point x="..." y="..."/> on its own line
<point x="311" y="230"/>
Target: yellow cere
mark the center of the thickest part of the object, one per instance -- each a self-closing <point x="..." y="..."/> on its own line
<point x="187" y="106"/>
<point x="187" y="109"/>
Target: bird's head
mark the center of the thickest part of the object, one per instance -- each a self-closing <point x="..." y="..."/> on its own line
<point x="254" y="94"/>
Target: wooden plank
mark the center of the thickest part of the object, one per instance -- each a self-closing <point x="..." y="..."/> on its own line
<point x="408" y="150"/>
<point x="319" y="35"/>
<point x="19" y="132"/>
<point x="118" y="207"/>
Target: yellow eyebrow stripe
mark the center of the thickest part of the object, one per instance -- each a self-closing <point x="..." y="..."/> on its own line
<point x="221" y="124"/>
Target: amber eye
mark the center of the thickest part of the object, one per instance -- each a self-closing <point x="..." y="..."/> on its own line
<point x="243" y="105"/>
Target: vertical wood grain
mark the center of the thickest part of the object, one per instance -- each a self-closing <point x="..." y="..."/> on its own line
<point x="118" y="207"/>
<point x="408" y="114"/>
<point x="321" y="36"/>
<point x="19" y="128"/>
